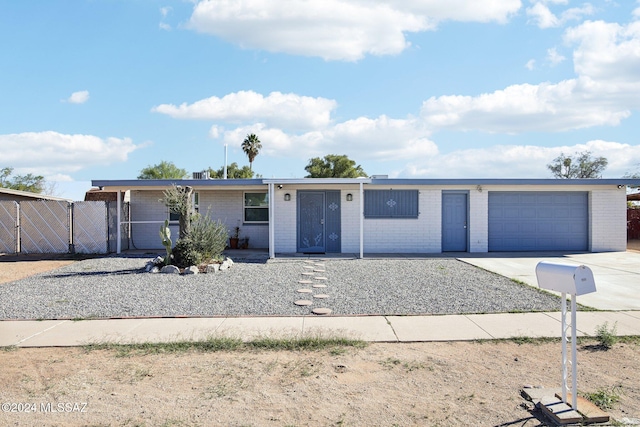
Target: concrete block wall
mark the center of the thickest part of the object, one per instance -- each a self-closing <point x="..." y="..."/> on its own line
<point x="285" y="220"/>
<point x="607" y="220"/>
<point x="478" y="221"/>
<point x="420" y="235"/>
<point x="350" y="221"/>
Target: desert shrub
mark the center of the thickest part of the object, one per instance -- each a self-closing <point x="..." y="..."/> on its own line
<point x="185" y="253"/>
<point x="209" y="237"/>
<point x="606" y="336"/>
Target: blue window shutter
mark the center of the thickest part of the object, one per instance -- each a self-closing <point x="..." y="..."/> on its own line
<point x="391" y="203"/>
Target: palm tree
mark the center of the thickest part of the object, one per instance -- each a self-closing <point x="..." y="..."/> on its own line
<point x="251" y="147"/>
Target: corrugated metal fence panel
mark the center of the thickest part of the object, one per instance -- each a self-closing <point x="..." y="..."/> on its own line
<point x="44" y="226"/>
<point x="8" y="227"/>
<point x="90" y="232"/>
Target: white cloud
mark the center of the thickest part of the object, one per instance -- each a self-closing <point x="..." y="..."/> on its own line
<point x="79" y="97"/>
<point x="570" y="104"/>
<point x="520" y="161"/>
<point x="607" y="51"/>
<point x="381" y="138"/>
<point x="530" y="65"/>
<point x="276" y="109"/>
<point x="554" y="57"/>
<point x="336" y="29"/>
<point x="606" y="60"/>
<point x="50" y="153"/>
<point x="542" y="16"/>
<point x="164" y="11"/>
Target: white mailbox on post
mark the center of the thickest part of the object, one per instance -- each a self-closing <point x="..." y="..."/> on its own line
<point x="570" y="279"/>
<point x="573" y="280"/>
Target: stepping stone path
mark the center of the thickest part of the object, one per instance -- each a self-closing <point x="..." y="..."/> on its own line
<point x="310" y="270"/>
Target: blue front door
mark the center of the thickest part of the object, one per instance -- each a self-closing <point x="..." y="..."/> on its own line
<point x="311" y="228"/>
<point x="454" y="222"/>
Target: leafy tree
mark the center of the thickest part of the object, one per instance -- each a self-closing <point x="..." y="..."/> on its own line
<point x="580" y="165"/>
<point x="233" y="172"/>
<point x="251" y="147"/>
<point x="163" y="170"/>
<point x="28" y="182"/>
<point x="333" y="166"/>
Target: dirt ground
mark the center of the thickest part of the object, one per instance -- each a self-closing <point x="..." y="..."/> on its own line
<point x="418" y="384"/>
<point x="421" y="384"/>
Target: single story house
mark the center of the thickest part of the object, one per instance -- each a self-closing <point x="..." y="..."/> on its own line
<point x="382" y="215"/>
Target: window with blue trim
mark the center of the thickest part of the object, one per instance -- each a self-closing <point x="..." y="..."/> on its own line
<point x="391" y="204"/>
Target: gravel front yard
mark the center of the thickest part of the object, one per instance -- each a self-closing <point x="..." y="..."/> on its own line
<point x="117" y="286"/>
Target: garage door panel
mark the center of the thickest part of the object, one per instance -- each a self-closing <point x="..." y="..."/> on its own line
<point x="540" y="221"/>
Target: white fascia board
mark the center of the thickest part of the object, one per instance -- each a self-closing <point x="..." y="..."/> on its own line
<point x="318" y="181"/>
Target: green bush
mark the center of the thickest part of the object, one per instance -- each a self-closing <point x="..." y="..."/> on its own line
<point x="185" y="253"/>
<point x="209" y="237"/>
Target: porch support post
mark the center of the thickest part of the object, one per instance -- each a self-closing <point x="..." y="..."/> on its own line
<point x="361" y="220"/>
<point x="119" y="227"/>
<point x="272" y="215"/>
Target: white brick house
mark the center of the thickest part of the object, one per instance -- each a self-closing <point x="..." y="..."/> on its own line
<point x="373" y="215"/>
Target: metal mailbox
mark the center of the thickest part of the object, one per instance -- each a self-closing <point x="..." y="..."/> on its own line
<point x="566" y="278"/>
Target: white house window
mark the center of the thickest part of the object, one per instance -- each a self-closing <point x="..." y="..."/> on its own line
<point x="256" y="207"/>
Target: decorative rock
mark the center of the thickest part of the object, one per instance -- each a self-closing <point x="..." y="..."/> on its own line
<point x="230" y="261"/>
<point x="321" y="296"/>
<point x="191" y="270"/>
<point x="303" y="302"/>
<point x="319" y="265"/>
<point x="305" y="291"/>
<point x="213" y="268"/>
<point x="154" y="269"/>
<point x="307" y="274"/>
<point x="318" y="270"/>
<point x="320" y="278"/>
<point x="157" y="260"/>
<point x="170" y="269"/>
<point x="225" y="265"/>
<point x="321" y="311"/>
<point x="305" y="282"/>
<point x="319" y="285"/>
<point x="149" y="266"/>
<point x="309" y="267"/>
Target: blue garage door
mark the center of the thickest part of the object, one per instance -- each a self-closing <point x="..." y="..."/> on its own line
<point x="538" y="221"/>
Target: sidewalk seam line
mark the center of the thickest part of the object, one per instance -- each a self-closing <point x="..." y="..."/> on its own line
<point x="481" y="328"/>
<point x="39" y="333"/>
<point x="392" y="328"/>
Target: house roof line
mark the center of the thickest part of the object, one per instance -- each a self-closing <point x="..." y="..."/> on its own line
<point x="35" y="196"/>
<point x="161" y="183"/>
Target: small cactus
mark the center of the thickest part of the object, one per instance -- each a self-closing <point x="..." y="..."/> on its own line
<point x="165" y="235"/>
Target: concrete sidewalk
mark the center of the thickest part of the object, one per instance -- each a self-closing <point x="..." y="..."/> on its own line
<point x="62" y="333"/>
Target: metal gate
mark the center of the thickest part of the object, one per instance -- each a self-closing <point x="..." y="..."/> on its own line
<point x="44" y="227"/>
<point x="8" y="227"/>
<point x="90" y="227"/>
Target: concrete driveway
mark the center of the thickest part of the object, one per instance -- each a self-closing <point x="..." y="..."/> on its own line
<point x="617" y="274"/>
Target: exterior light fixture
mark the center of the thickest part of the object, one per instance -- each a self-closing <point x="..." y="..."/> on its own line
<point x="349" y="197"/>
<point x="287" y="197"/>
<point x="479" y="188"/>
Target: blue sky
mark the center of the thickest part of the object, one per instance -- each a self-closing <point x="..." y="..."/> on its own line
<point x="99" y="89"/>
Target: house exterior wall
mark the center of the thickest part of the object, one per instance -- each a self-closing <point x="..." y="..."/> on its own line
<point x="226" y="206"/>
<point x="415" y="235"/>
<point x="607" y="220"/>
